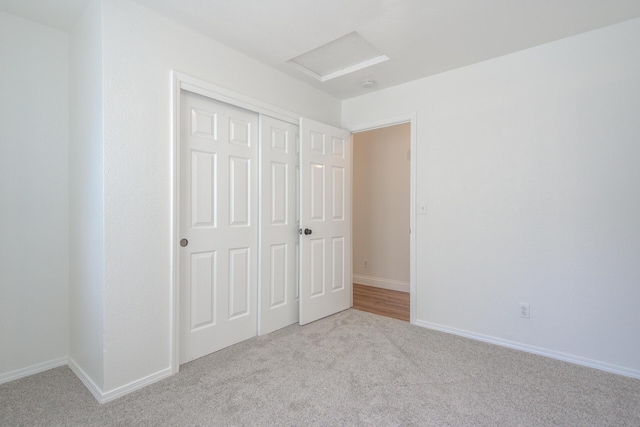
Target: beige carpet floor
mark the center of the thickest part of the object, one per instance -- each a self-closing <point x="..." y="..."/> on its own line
<point x="351" y="369"/>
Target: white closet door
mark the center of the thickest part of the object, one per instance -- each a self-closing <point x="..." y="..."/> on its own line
<point x="279" y="292"/>
<point x="218" y="225"/>
<point x="325" y="256"/>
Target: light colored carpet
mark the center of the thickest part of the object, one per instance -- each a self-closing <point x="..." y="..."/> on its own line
<point x="353" y="368"/>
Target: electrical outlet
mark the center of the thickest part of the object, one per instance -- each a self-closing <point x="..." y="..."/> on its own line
<point x="524" y="311"/>
<point x="365" y="263"/>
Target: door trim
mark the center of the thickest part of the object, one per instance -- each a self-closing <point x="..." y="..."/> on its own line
<point x="411" y="118"/>
<point x="181" y="81"/>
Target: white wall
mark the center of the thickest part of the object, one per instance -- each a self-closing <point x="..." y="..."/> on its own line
<point x="530" y="165"/>
<point x="381" y="187"/>
<point x="140" y="49"/>
<point x="34" y="248"/>
<point x="86" y="198"/>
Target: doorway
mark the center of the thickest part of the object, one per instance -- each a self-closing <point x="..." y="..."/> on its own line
<point x="382" y="219"/>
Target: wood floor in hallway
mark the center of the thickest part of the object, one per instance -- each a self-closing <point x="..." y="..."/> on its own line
<point x="381" y="301"/>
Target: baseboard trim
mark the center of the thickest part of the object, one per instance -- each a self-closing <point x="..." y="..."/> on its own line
<point x="95" y="390"/>
<point x="103" y="397"/>
<point x="377" y="282"/>
<point x="33" y="369"/>
<point x="135" y="385"/>
<point x="607" y="367"/>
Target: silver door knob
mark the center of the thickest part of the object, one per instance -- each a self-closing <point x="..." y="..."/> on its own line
<point x="184" y="242"/>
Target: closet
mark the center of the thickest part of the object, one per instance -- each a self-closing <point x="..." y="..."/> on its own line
<point x="264" y="223"/>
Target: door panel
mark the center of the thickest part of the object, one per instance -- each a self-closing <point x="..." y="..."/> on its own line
<point x="317" y="267"/>
<point x="218" y="218"/>
<point x="203" y="285"/>
<point x="317" y="193"/>
<point x="239" y="179"/>
<point x="338" y="263"/>
<point x="325" y="264"/>
<point x="239" y="282"/>
<point x="279" y="281"/>
<point x="337" y="188"/>
<point x="279" y="193"/>
<point x="279" y="295"/>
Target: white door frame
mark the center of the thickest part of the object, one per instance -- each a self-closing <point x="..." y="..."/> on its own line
<point x="412" y="119"/>
<point x="180" y="81"/>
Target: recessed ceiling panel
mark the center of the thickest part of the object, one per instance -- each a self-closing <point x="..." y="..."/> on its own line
<point x="341" y="56"/>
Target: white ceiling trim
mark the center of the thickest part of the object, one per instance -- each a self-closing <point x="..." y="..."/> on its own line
<point x="344" y="71"/>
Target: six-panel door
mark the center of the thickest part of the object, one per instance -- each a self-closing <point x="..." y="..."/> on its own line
<point x="218" y="224"/>
<point x="279" y="292"/>
<point x="325" y="255"/>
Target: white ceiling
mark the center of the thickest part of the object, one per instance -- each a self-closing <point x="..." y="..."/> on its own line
<point x="60" y="14"/>
<point x="421" y="37"/>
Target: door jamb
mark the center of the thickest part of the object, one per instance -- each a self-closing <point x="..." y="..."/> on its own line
<point x="412" y="119"/>
<point x="181" y="81"/>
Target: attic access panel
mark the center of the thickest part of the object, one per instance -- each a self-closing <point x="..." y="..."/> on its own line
<point x="339" y="57"/>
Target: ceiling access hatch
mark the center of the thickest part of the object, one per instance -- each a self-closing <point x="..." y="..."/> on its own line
<point x="339" y="57"/>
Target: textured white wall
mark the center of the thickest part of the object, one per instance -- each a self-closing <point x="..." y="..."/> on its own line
<point x="34" y="226"/>
<point x="530" y="165"/>
<point x="86" y="311"/>
<point x="381" y="187"/>
<point x="140" y="49"/>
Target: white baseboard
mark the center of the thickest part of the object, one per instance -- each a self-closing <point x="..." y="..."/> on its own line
<point x="86" y="380"/>
<point x="33" y="369"/>
<point x="95" y="390"/>
<point x="103" y="397"/>
<point x="377" y="282"/>
<point x="135" y="385"/>
<point x="615" y="369"/>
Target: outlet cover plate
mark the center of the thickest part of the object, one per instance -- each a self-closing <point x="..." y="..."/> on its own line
<point x="524" y="311"/>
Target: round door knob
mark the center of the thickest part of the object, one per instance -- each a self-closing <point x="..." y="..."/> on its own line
<point x="307" y="231"/>
<point x="184" y="242"/>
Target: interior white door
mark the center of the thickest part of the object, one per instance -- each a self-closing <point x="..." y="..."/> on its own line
<point x="218" y="225"/>
<point x="325" y="218"/>
<point x="279" y="213"/>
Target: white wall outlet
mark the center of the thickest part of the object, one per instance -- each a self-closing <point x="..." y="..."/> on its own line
<point x="422" y="208"/>
<point x="365" y="263"/>
<point x="524" y="311"/>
